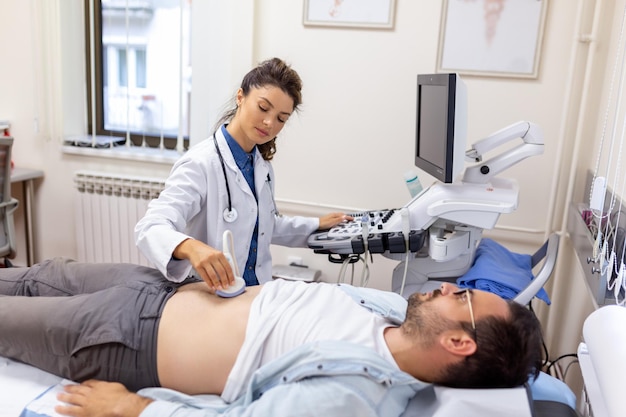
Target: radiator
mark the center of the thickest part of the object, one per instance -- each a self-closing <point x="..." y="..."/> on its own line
<point x="107" y="208"/>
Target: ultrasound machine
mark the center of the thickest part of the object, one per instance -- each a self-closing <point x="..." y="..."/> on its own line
<point x="436" y="233"/>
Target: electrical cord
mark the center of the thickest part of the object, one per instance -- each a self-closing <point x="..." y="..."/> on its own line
<point x="554" y="362"/>
<point x="546" y="354"/>
<point x="350" y="260"/>
<point x="546" y="361"/>
<point x="365" y="273"/>
<point x="567" y="368"/>
<point x="406" y="229"/>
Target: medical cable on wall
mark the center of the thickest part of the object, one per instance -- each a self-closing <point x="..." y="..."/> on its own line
<point x="606" y="222"/>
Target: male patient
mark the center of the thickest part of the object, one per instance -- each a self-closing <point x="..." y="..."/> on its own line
<point x="275" y="349"/>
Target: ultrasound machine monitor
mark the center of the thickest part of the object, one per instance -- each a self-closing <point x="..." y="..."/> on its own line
<point x="440" y="140"/>
<point x="442" y="224"/>
<point x="441" y="125"/>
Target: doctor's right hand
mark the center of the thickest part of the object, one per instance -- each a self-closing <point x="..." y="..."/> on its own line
<point x="211" y="264"/>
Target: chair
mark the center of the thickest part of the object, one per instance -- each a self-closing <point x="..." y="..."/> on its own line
<point x="8" y="204"/>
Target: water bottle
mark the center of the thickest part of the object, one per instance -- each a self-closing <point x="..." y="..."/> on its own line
<point x="412" y="183"/>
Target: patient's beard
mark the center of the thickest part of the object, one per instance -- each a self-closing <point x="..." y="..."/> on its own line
<point x="422" y="323"/>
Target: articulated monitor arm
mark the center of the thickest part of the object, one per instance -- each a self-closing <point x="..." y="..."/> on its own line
<point x="482" y="173"/>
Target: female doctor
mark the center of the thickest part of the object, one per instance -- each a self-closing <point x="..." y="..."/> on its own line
<point x="227" y="183"/>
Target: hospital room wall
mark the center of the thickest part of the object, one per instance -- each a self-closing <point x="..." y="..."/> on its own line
<point x="601" y="65"/>
<point x="353" y="140"/>
<point x="347" y="149"/>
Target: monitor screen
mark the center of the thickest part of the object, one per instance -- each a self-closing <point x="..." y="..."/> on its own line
<point x="440" y="136"/>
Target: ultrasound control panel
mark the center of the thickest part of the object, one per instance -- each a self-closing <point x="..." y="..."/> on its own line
<point x="375" y="220"/>
<point x="347" y="238"/>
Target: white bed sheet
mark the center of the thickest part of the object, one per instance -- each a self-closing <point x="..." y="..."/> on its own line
<point x="21" y="384"/>
<point x="26" y="391"/>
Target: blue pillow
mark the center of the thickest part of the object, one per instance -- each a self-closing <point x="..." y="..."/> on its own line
<point x="500" y="271"/>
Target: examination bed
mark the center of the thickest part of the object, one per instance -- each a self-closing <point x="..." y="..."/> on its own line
<point x="29" y="392"/>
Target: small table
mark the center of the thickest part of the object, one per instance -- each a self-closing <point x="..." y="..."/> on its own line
<point x="27" y="176"/>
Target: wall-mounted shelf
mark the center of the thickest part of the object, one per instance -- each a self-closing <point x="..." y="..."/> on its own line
<point x="583" y="242"/>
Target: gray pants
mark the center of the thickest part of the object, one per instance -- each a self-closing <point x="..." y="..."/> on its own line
<point x="83" y="321"/>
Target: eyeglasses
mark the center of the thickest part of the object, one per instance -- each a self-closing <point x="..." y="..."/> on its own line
<point x="466" y="296"/>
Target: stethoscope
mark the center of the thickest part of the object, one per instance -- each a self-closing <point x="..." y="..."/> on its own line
<point x="230" y="213"/>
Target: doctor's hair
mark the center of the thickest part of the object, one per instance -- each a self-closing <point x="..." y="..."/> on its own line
<point x="272" y="72"/>
<point x="508" y="352"/>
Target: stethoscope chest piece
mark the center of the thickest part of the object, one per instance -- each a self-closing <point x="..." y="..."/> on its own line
<point x="230" y="215"/>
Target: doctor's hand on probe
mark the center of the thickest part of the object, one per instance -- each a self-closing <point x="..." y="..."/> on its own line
<point x="210" y="263"/>
<point x="333" y="219"/>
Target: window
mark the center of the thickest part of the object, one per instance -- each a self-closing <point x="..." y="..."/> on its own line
<point x="139" y="72"/>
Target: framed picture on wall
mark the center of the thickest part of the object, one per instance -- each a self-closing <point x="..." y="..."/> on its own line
<point x="377" y="14"/>
<point x="491" y="37"/>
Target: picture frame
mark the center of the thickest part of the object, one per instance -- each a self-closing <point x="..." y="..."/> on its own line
<point x="498" y="38"/>
<point x="373" y="14"/>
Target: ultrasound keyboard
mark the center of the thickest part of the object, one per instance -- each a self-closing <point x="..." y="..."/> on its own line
<point x="375" y="220"/>
<point x="347" y="238"/>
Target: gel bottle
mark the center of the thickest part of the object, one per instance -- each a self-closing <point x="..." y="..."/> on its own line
<point x="413" y="183"/>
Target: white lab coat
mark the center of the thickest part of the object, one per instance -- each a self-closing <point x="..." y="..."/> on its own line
<point x="192" y="205"/>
